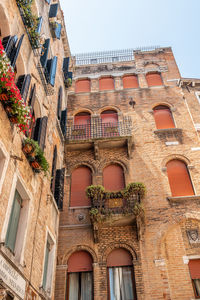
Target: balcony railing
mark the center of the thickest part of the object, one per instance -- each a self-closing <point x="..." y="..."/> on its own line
<point x="99" y="130"/>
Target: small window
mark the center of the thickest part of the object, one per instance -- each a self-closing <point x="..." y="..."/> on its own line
<point x="106" y="83"/>
<point x="163" y="117"/>
<point x="79" y="277"/>
<point x="48" y="265"/>
<point x="194" y="267"/>
<point x="179" y="178"/>
<point x="113" y="178"/>
<point x="130" y="81"/>
<point x="82" y="86"/>
<point x="154" y="79"/>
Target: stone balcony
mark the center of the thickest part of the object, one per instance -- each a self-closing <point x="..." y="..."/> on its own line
<point x="97" y="134"/>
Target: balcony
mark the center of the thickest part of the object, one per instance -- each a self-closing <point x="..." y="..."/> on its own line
<point x="100" y="135"/>
<point x="115" y="208"/>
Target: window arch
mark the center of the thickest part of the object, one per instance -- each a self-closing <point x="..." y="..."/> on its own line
<point x="163" y="117"/>
<point x="121" y="275"/>
<point x="130" y="81"/>
<point x="154" y="79"/>
<point x="81" y="178"/>
<point x="106" y="83"/>
<point x="82" y="118"/>
<point x="79" y="277"/>
<point x="179" y="178"/>
<point x="113" y="177"/>
<point x="82" y="85"/>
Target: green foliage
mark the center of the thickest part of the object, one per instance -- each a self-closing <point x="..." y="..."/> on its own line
<point x="134" y="188"/>
<point x="95" y="192"/>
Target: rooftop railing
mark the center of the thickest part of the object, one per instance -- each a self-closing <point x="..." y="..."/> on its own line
<point x="99" y="130"/>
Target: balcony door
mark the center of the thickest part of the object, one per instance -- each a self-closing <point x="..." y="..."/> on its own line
<point x="82" y="126"/>
<point x="109" y="123"/>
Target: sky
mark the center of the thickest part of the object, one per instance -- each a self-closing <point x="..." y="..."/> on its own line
<point x="100" y="25"/>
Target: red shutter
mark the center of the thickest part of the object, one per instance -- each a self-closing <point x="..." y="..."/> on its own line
<point x="119" y="257"/>
<point x="154" y="79"/>
<point x="81" y="179"/>
<point x="163" y="117"/>
<point x="179" y="178"/>
<point x="130" y="81"/>
<point x="106" y="83"/>
<point x="82" y="86"/>
<point x="113" y="178"/>
<point x="109" y="116"/>
<point x="194" y="267"/>
<point x="82" y="119"/>
<point x="80" y="261"/>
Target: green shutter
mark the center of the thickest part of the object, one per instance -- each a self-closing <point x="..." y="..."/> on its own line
<point x="13" y="222"/>
<point x="44" y="282"/>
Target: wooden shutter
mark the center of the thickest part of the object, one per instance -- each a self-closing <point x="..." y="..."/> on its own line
<point x="53" y="171"/>
<point x="130" y="81"/>
<point x="113" y="178"/>
<point x="82" y="85"/>
<point x="52" y="72"/>
<point x="106" y="83"/>
<point x="81" y="178"/>
<point x="59" y="105"/>
<point x="40" y="131"/>
<point x="39" y="27"/>
<point x="45" y="51"/>
<point x="179" y="178"/>
<point x="59" y="187"/>
<point x="13" y="222"/>
<point x="15" y="52"/>
<point x="9" y="43"/>
<point x="154" y="79"/>
<point x="58" y="30"/>
<point x="194" y="267"/>
<point x="109" y="116"/>
<point x="65" y="67"/>
<point x="80" y="261"/>
<point x="163" y="117"/>
<point x="46" y="261"/>
<point x="63" y="121"/>
<point x="32" y="98"/>
<point x="53" y="10"/>
<point x="119" y="257"/>
<point x="82" y="119"/>
<point x="23" y="84"/>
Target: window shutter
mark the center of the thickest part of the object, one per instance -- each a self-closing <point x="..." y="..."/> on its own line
<point x="44" y="57"/>
<point x="63" y="122"/>
<point x="13" y="222"/>
<point x="15" y="52"/>
<point x="59" y="187"/>
<point x="163" y="117"/>
<point x="130" y="81"/>
<point x="80" y="261"/>
<point x="194" y="267"/>
<point x="44" y="281"/>
<point x="53" y="10"/>
<point x="23" y="84"/>
<point x="39" y="27"/>
<point x="65" y="66"/>
<point x="106" y="83"/>
<point x="58" y="30"/>
<point x="113" y="178"/>
<point x="82" y="85"/>
<point x="59" y="106"/>
<point x="9" y="43"/>
<point x="40" y="131"/>
<point x="53" y="172"/>
<point x="69" y="75"/>
<point x="32" y="97"/>
<point x="52" y="74"/>
<point x="119" y="257"/>
<point x="154" y="79"/>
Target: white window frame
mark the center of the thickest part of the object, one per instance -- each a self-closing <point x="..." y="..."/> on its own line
<point x="19" y="185"/>
<point x="4" y="156"/>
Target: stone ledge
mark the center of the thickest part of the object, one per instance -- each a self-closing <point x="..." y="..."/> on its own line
<point x="183" y="198"/>
<point x="168" y="130"/>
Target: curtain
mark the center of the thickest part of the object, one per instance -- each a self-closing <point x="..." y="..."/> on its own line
<point x="86" y="286"/>
<point x="73" y="286"/>
<point x="80" y="286"/>
<point x="197" y="286"/>
<point x="121" y="285"/>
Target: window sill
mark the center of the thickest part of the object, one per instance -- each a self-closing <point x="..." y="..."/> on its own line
<point x="168" y="130"/>
<point x="11" y="256"/>
<point x="183" y="198"/>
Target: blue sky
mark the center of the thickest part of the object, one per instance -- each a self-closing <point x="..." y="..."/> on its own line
<point x="99" y="25"/>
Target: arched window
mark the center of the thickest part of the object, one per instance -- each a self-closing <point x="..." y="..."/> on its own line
<point x="106" y="83"/>
<point x="121" y="275"/>
<point x="82" y="86"/>
<point x="113" y="178"/>
<point x="154" y="79"/>
<point x="79" y="279"/>
<point x="82" y="125"/>
<point x="81" y="178"/>
<point x="179" y="178"/>
<point x="163" y="117"/>
<point x="109" y="123"/>
<point x="130" y="81"/>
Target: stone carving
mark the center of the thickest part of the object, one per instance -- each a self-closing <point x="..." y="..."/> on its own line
<point x="193" y="236"/>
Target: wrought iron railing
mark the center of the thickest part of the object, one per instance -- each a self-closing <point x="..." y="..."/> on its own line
<point x="99" y="130"/>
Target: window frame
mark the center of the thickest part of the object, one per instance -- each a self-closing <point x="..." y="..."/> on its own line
<point x="4" y="160"/>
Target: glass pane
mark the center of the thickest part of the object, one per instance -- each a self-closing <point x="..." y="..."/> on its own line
<point x="73" y="286"/>
<point x="121" y="284"/>
<point x="197" y="286"/>
<point x="86" y="286"/>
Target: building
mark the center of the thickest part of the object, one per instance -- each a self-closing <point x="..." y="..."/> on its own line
<point x="131" y="119"/>
<point x="34" y="58"/>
